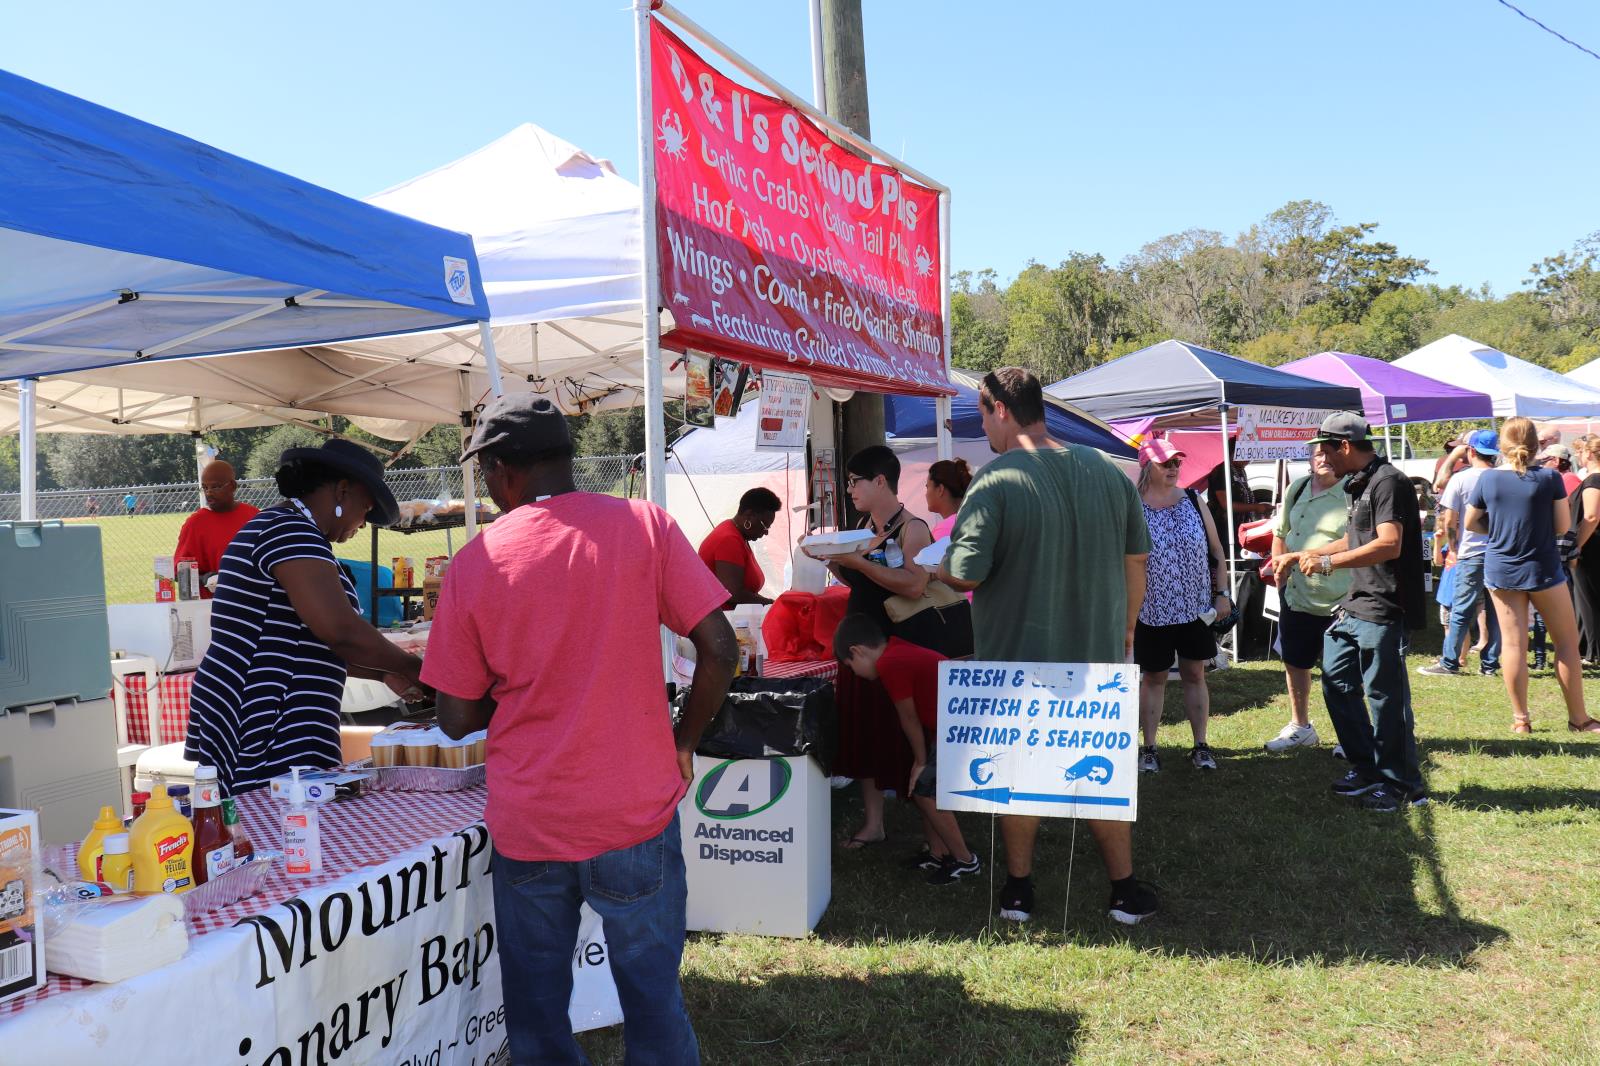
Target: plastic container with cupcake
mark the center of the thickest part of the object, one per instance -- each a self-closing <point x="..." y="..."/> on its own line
<point x="415" y="757"/>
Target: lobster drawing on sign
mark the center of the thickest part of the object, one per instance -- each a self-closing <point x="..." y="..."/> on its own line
<point x="1116" y="684"/>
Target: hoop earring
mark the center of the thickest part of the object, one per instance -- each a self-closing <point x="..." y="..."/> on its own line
<point x="338" y="510"/>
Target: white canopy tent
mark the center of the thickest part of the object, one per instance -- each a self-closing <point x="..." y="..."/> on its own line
<point x="1516" y="386"/>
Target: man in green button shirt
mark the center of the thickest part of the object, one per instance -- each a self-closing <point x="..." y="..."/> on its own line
<point x="1051" y="541"/>
<point x="1314" y="515"/>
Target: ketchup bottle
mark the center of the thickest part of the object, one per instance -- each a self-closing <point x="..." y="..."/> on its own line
<point x="213" y="843"/>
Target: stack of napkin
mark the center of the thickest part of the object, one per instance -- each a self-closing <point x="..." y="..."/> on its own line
<point x="116" y="941"/>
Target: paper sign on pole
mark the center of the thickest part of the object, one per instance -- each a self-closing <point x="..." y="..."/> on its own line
<point x="1271" y="433"/>
<point x="785" y="411"/>
<point x="1056" y="740"/>
<point x="781" y="248"/>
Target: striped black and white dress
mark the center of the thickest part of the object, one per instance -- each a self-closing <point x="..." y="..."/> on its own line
<point x="268" y="693"/>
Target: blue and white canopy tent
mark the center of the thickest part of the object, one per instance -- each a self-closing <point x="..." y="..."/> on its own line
<point x="121" y="243"/>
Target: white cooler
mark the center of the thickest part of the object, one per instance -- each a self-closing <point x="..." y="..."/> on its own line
<point x="756" y="842"/>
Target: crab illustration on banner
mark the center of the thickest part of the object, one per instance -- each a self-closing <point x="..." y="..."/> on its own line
<point x="783" y="249"/>
<point x="1058" y="740"/>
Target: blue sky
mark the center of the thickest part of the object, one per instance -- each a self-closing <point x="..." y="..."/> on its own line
<point x="1466" y="132"/>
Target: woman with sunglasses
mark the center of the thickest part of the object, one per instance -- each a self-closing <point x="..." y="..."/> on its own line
<point x="726" y="549"/>
<point x="1184" y="582"/>
<point x="872" y="747"/>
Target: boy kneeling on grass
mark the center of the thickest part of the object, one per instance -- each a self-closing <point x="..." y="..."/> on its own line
<point x="910" y="675"/>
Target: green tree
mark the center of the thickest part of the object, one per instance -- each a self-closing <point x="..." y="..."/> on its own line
<point x="94" y="460"/>
<point x="10" y="464"/>
<point x="264" y="456"/>
<point x="977" y="321"/>
<point x="1062" y="321"/>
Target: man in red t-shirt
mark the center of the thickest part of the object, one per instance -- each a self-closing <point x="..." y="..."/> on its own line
<point x="207" y="533"/>
<point x="548" y="634"/>
<point x="909" y="673"/>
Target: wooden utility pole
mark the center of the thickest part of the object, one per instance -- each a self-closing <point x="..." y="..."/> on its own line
<point x="844" y="65"/>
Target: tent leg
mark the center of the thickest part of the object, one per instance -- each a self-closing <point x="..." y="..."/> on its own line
<point x="469" y="483"/>
<point x="491" y="361"/>
<point x="942" y="408"/>
<point x="1230" y="536"/>
<point x="655" y="456"/>
<point x="29" y="430"/>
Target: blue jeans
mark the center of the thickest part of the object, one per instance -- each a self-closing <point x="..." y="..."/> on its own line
<point x="1469" y="594"/>
<point x="1368" y="694"/>
<point x="639" y="893"/>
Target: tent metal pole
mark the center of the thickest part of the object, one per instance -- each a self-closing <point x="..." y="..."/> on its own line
<point x="29" y="429"/>
<point x="942" y="404"/>
<point x="1229" y="536"/>
<point x="655" y="456"/>
<point x="469" y="483"/>
<point x="819" y="84"/>
<point x="491" y="362"/>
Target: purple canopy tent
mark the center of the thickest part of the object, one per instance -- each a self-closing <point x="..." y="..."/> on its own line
<point x="1392" y="395"/>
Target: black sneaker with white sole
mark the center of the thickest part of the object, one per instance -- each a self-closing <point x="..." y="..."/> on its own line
<point x="1202" y="758"/>
<point x="1132" y="901"/>
<point x="925" y="860"/>
<point x="952" y="870"/>
<point x="1149" y="761"/>
<point x="1387" y="799"/>
<point x="1016" y="899"/>
<point x="1354" y="783"/>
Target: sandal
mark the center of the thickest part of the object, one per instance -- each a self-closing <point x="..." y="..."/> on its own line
<point x="1521" y="726"/>
<point x="857" y="842"/>
<point x="1588" y="725"/>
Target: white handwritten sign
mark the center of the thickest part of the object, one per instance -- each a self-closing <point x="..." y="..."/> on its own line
<point x="1057" y="740"/>
<point x="1270" y="433"/>
<point x="785" y="410"/>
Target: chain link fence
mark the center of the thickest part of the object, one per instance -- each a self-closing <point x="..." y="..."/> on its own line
<point x="139" y="523"/>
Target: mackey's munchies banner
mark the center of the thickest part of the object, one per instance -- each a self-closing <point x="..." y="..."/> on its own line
<point x="780" y="248"/>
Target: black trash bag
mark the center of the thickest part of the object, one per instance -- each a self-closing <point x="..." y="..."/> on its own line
<point x="764" y="716"/>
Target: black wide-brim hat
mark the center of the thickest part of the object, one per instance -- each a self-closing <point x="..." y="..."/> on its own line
<point x="360" y="466"/>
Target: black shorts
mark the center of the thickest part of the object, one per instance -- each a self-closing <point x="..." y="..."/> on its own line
<point x="1300" y="636"/>
<point x="929" y="778"/>
<point x="1155" y="647"/>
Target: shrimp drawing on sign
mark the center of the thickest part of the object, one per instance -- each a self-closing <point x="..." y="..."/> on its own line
<point x="979" y="769"/>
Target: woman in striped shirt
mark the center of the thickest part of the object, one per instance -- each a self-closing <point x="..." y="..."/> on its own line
<point x="286" y="627"/>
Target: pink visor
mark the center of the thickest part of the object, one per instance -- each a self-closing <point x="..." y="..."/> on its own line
<point x="1158" y="451"/>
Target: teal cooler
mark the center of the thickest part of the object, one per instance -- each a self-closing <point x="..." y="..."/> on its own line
<point x="58" y="736"/>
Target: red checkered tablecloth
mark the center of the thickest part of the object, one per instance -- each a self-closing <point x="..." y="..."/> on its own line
<point x="173" y="691"/>
<point x="827" y="669"/>
<point x="355" y="833"/>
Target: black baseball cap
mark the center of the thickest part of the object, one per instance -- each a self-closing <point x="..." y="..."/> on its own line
<point x="522" y="420"/>
<point x="1342" y="426"/>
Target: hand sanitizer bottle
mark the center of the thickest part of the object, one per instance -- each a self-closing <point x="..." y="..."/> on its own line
<point x="302" y="837"/>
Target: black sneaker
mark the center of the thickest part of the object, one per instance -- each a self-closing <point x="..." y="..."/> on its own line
<point x="1202" y="758"/>
<point x="952" y="870"/>
<point x="1149" y="761"/>
<point x="1353" y="784"/>
<point x="1132" y="902"/>
<point x="1016" y="899"/>
<point x="925" y="860"/>
<point x="1488" y="671"/>
<point x="1386" y="799"/>
<point x="1439" y="669"/>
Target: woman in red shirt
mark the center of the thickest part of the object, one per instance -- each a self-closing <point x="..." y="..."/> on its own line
<point x="726" y="549"/>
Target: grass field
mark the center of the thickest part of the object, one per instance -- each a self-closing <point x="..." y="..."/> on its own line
<point x="1294" y="928"/>
<point x="131" y="544"/>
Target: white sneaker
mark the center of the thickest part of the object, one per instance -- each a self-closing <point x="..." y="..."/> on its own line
<point x="1294" y="736"/>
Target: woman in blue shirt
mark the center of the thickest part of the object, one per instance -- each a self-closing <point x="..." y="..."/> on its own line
<point x="1524" y="511"/>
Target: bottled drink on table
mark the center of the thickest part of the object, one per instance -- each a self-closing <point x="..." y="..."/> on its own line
<point x="242" y="848"/>
<point x="180" y="799"/>
<point x="139" y="800"/>
<point x="213" y="841"/>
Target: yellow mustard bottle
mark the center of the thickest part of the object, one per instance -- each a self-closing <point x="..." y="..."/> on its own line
<point x="162" y="845"/>
<point x="116" y="866"/>
<point x="94" y="845"/>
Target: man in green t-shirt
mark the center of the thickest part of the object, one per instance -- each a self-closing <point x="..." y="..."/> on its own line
<point x="1051" y="541"/>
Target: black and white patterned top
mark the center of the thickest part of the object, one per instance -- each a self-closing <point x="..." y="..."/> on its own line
<point x="1178" y="569"/>
<point x="267" y="695"/>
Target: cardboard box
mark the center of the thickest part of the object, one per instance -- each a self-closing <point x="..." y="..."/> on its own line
<point x="431" y="587"/>
<point x="21" y="933"/>
<point x="166" y="570"/>
<point x="188" y="579"/>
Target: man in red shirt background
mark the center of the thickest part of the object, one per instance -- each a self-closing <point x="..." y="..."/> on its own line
<point x="909" y="673"/>
<point x="207" y="533"/>
<point x="548" y="634"/>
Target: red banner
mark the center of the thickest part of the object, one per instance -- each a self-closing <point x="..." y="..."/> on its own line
<point x="780" y="248"/>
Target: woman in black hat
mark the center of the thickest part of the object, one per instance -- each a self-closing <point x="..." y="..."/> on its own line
<point x="286" y="627"/>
